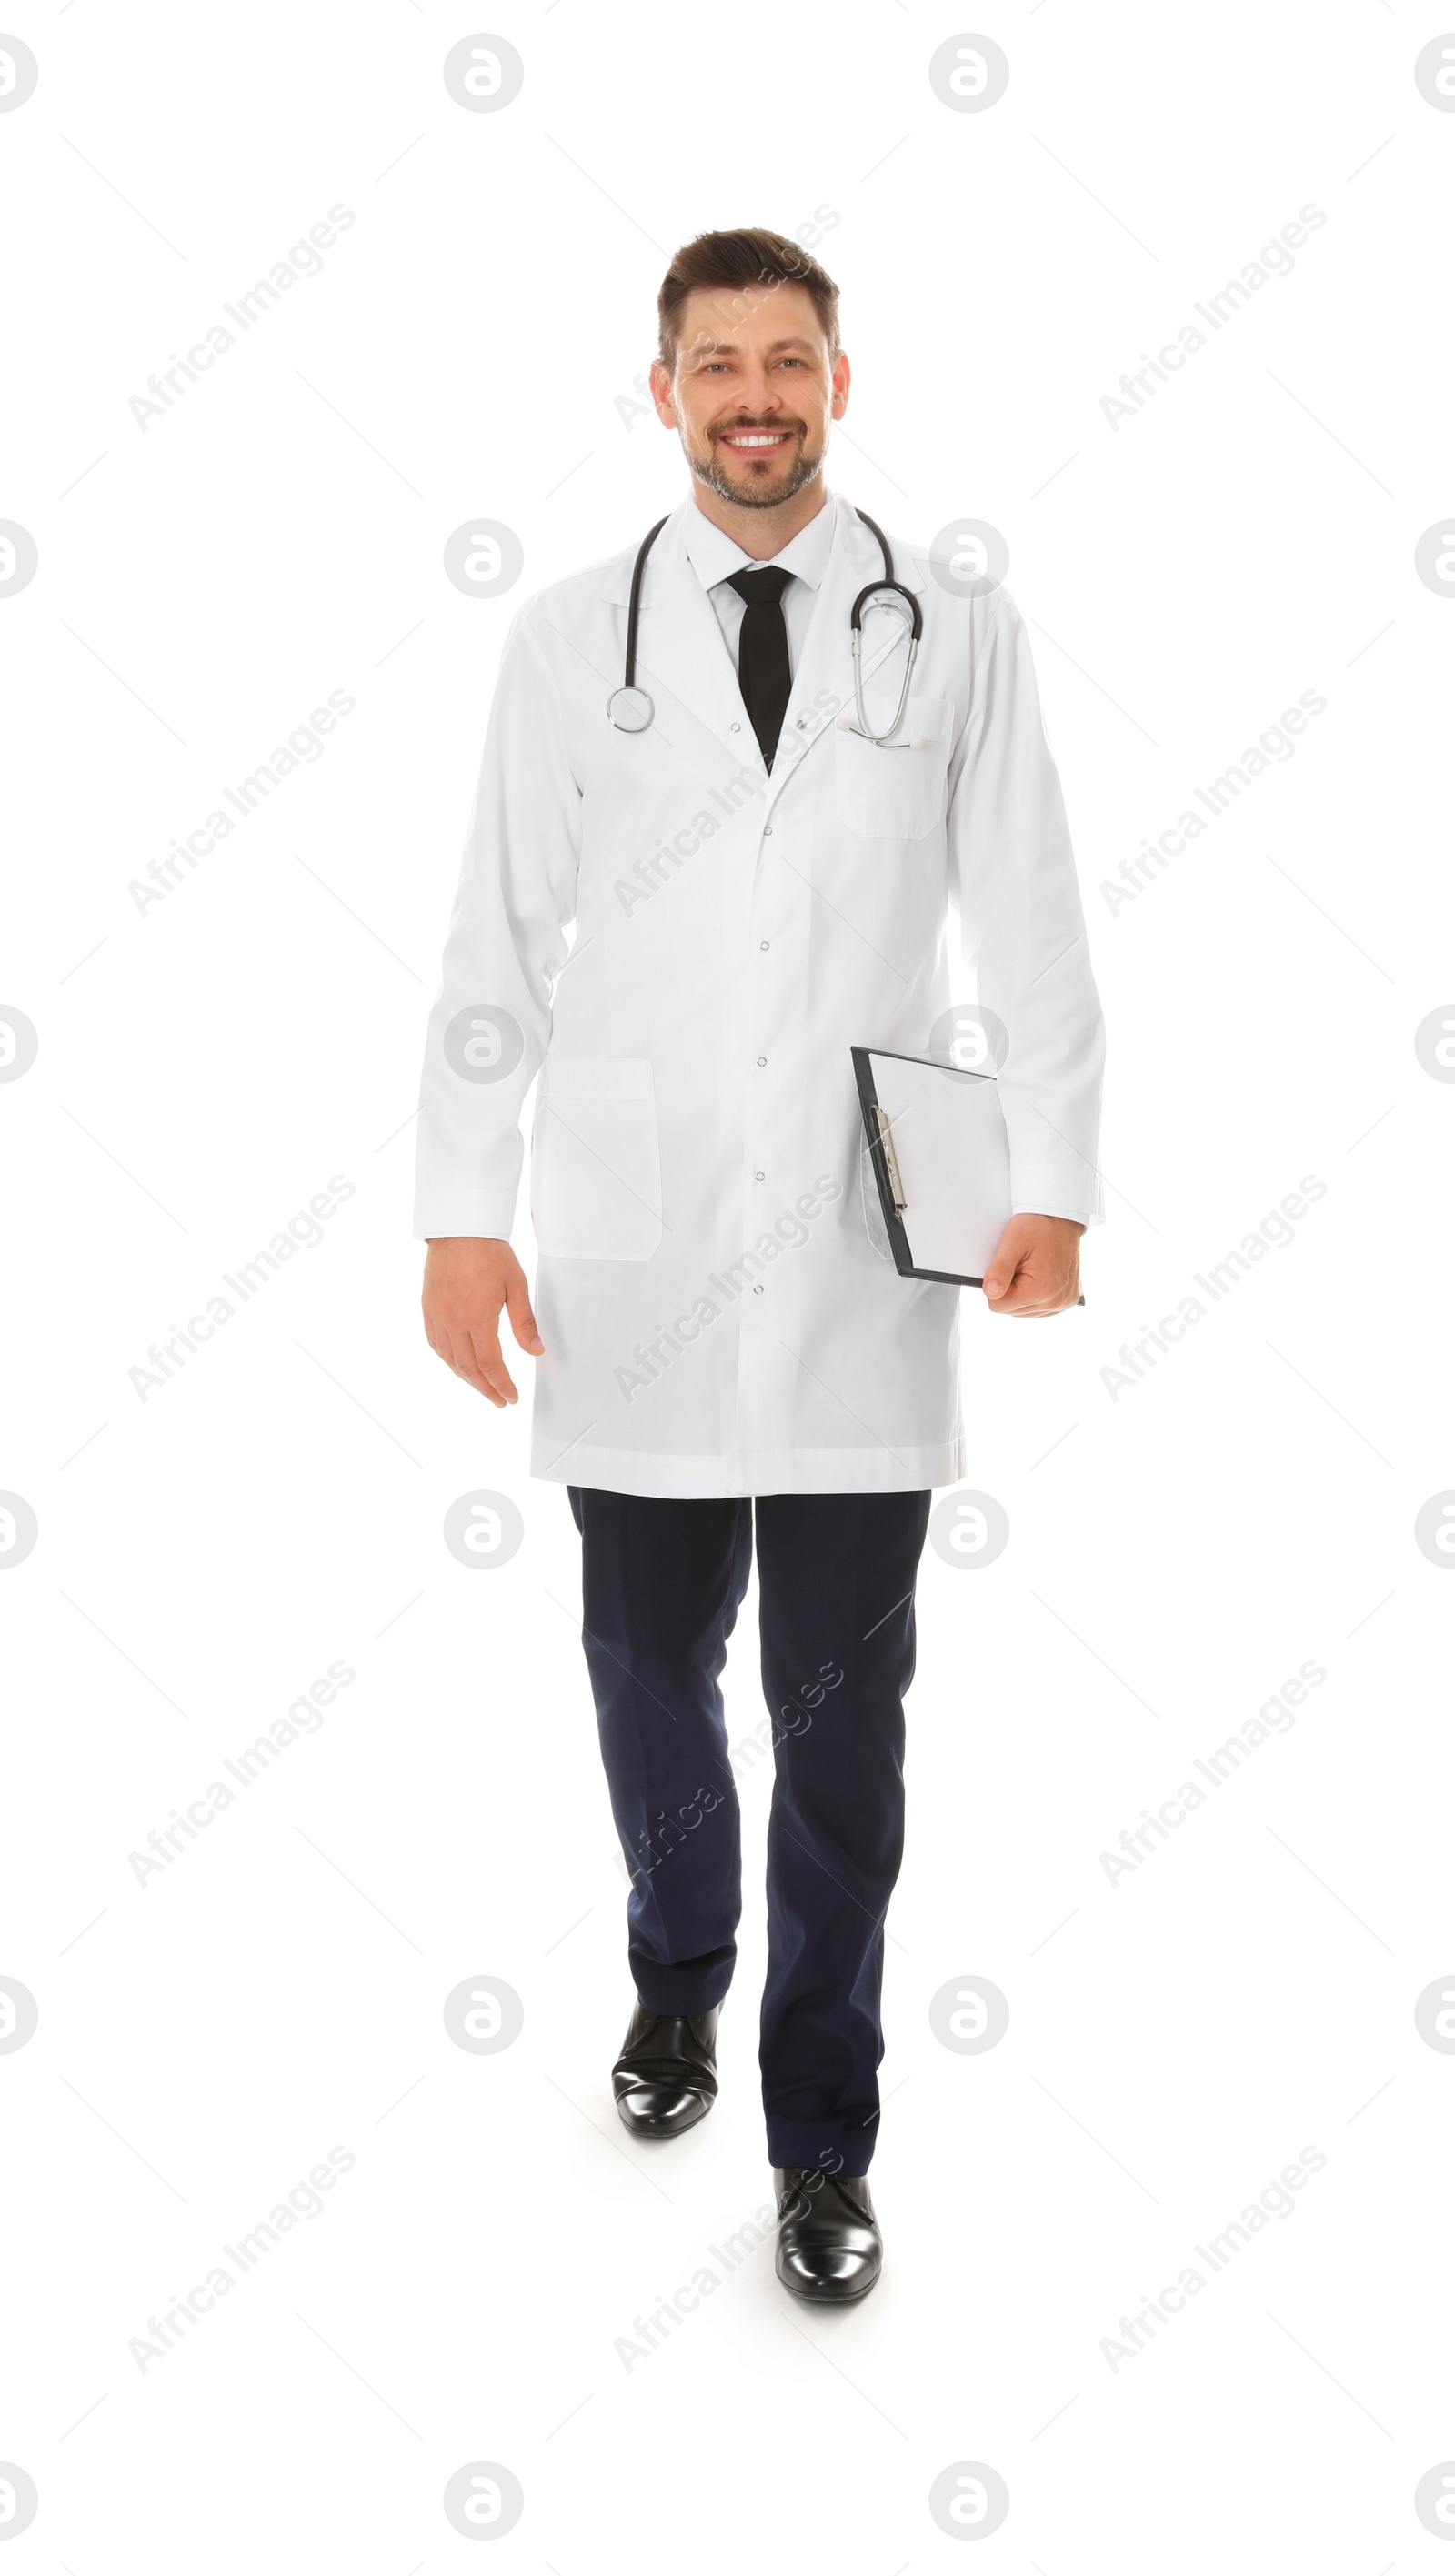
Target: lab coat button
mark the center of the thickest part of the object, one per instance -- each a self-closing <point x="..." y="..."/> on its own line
<point x="762" y="943"/>
<point x="735" y="728"/>
<point x="758" y="1288"/>
<point x="767" y="831"/>
<point x="760" y="1176"/>
<point x="762" y="1059"/>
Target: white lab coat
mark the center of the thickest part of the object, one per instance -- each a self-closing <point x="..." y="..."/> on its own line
<point x="717" y="1314"/>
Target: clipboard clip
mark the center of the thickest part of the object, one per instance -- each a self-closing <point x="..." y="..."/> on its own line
<point x="891" y="1163"/>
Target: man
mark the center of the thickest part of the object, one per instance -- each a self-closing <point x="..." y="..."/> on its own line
<point x="725" y="1353"/>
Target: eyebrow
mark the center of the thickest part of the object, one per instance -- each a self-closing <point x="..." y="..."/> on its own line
<point x="725" y="348"/>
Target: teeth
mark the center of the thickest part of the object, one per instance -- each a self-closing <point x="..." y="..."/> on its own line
<point x="775" y="440"/>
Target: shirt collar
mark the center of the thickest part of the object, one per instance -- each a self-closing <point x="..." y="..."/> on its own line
<point x="715" y="557"/>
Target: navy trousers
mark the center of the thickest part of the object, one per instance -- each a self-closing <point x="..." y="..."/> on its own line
<point x="662" y="1584"/>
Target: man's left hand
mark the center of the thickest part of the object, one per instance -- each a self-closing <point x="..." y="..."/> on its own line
<point x="1037" y="1266"/>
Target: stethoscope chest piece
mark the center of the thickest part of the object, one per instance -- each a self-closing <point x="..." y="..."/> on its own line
<point x="630" y="710"/>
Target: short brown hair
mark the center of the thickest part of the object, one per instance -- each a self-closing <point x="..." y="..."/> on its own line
<point x="751" y="257"/>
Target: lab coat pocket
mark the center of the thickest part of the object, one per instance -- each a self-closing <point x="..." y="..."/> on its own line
<point x="896" y="792"/>
<point x="596" y="1175"/>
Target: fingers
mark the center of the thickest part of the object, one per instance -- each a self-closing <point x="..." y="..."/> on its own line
<point x="1009" y="1265"/>
<point x="465" y="1287"/>
<point x="1008" y="1285"/>
<point x="1029" y="1295"/>
<point x="476" y="1357"/>
<point x="492" y="1377"/>
<point x="522" y="1320"/>
<point x="1034" y="1267"/>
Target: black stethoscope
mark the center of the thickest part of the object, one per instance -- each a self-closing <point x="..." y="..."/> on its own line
<point x="631" y="709"/>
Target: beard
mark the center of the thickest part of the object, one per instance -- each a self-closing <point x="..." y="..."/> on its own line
<point x="751" y="494"/>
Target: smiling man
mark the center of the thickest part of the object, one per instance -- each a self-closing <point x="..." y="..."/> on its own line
<point x="726" y="1359"/>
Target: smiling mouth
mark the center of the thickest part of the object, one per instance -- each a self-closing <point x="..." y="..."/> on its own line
<point x="756" y="442"/>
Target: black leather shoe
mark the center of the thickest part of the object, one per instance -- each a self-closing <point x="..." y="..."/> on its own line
<point x="829" y="2246"/>
<point x="665" y="2079"/>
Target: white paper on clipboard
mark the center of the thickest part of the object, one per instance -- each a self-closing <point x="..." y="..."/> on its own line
<point x="948" y="1131"/>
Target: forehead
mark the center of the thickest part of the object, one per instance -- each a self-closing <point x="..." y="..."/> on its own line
<point x="717" y="320"/>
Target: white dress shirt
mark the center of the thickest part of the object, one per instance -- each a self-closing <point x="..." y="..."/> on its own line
<point x="714" y="558"/>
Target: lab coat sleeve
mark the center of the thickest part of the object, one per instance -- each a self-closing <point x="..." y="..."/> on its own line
<point x="506" y="945"/>
<point x="1023" y="933"/>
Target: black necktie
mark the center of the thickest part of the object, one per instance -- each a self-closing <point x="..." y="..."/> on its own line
<point x="763" y="673"/>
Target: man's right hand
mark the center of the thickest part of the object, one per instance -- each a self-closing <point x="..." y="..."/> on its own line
<point x="467" y="1279"/>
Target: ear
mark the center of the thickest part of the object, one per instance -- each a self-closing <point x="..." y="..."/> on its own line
<point x="661" y="389"/>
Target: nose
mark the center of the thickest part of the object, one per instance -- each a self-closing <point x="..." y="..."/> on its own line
<point x="756" y="395"/>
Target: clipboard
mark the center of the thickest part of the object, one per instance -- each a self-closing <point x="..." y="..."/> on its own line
<point x="936" y="1138"/>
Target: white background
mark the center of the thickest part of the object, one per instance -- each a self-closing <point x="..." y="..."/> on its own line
<point x="206" y="1066"/>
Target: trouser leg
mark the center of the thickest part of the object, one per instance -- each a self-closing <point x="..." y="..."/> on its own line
<point x="836" y="1576"/>
<point x="662" y="1581"/>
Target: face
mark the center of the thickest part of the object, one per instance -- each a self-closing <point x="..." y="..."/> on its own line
<point x="753" y="391"/>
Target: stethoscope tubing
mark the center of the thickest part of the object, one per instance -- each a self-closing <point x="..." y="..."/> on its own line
<point x="876" y="590"/>
<point x="631" y="709"/>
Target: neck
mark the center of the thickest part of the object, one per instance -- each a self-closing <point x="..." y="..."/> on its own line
<point x="762" y="533"/>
